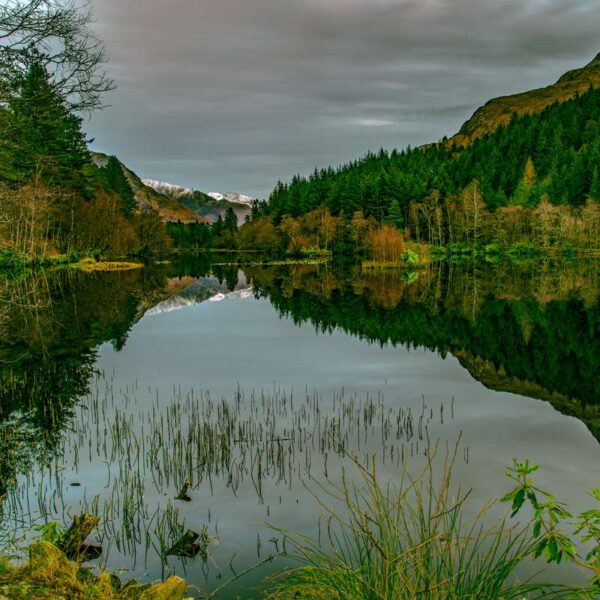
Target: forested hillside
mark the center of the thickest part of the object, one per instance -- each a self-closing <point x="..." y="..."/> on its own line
<point x="54" y="200"/>
<point x="500" y="111"/>
<point x="536" y="179"/>
<point x="555" y="153"/>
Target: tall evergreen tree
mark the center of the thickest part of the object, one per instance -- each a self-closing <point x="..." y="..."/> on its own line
<point x="395" y="216"/>
<point x="230" y="222"/>
<point x="47" y="141"/>
<point x="115" y="181"/>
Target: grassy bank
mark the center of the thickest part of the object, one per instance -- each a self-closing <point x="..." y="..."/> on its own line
<point x="49" y="575"/>
<point x="11" y="262"/>
<point x="417" y="537"/>
<point x="90" y="265"/>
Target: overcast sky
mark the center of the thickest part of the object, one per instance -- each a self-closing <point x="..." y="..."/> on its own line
<point x="231" y="95"/>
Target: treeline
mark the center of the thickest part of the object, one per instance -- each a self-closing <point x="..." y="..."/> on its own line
<point x="316" y="233"/>
<point x="460" y="224"/>
<point x="222" y="234"/>
<point x="53" y="198"/>
<point x="536" y="179"/>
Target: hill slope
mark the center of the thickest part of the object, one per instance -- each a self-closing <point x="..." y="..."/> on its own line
<point x="500" y="111"/>
<point x="550" y="151"/>
<point x="149" y="200"/>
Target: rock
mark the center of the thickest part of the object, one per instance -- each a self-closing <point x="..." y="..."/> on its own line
<point x="133" y="590"/>
<point x="183" y="493"/>
<point x="173" y="588"/>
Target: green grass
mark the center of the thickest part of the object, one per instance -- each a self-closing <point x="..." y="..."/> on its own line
<point x="406" y="541"/>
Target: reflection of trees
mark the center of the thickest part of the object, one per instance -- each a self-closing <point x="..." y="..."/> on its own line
<point x="36" y="403"/>
<point x="50" y="326"/>
<point x="536" y="326"/>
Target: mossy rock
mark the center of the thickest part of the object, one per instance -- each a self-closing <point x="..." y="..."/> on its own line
<point x="173" y="588"/>
<point x="50" y="575"/>
<point x="133" y="590"/>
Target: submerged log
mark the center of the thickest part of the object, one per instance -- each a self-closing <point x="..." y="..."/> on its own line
<point x="73" y="542"/>
<point x="186" y="546"/>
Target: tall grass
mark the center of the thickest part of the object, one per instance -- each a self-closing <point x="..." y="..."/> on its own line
<point x="407" y="540"/>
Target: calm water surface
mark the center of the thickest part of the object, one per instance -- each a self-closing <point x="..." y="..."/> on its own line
<point x="116" y="388"/>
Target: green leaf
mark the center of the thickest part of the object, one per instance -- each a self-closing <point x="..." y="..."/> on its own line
<point x="509" y="496"/>
<point x="551" y="551"/>
<point x="518" y="501"/>
<point x="540" y="548"/>
<point x="532" y="498"/>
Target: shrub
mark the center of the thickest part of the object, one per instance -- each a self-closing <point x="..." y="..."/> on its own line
<point x="410" y="257"/>
<point x="493" y="249"/>
<point x="460" y="248"/>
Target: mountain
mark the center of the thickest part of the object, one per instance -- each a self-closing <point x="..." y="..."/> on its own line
<point x="210" y="206"/>
<point x="152" y="201"/>
<point x="235" y="198"/>
<point x="500" y="111"/>
<point x="514" y="151"/>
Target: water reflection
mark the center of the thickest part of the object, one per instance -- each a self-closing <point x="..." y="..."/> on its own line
<point x="131" y="424"/>
<point x="532" y="329"/>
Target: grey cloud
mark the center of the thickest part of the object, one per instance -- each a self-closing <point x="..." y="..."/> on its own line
<point x="232" y="95"/>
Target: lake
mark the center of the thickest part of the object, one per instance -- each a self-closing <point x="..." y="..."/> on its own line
<point x="257" y="382"/>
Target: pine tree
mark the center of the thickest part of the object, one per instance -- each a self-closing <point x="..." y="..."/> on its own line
<point x="530" y="175"/>
<point x="395" y="216"/>
<point x="230" y="222"/>
<point x="47" y="140"/>
<point x="115" y="181"/>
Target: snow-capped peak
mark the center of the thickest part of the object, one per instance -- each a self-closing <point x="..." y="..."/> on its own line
<point x="162" y="187"/>
<point x="235" y="198"/>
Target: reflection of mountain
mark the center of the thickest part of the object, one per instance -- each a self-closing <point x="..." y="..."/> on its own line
<point x="199" y="290"/>
<point x="530" y="330"/>
<point x="50" y="327"/>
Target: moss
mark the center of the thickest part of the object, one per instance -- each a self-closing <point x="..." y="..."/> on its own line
<point x="50" y="575"/>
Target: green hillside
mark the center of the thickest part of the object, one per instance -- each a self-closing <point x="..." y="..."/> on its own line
<point x="554" y="153"/>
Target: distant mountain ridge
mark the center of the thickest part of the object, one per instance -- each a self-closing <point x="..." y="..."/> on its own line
<point x="174" y="203"/>
<point x="210" y="206"/>
<point x="235" y="198"/>
<point x="499" y="111"/>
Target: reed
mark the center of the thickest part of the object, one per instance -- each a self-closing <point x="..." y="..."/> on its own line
<point x="407" y="540"/>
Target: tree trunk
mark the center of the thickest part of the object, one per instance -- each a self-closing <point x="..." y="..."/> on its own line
<point x="74" y="539"/>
